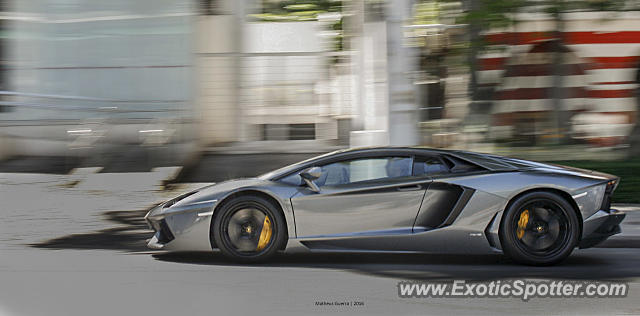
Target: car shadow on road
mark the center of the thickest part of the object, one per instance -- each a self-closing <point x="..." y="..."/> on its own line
<point x="588" y="265"/>
<point x="129" y="234"/>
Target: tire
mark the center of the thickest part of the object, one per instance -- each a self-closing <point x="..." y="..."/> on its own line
<point x="539" y="228"/>
<point x="249" y="229"/>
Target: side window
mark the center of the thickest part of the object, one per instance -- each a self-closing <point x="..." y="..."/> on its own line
<point x="364" y="169"/>
<point x="428" y="166"/>
<point x="461" y="166"/>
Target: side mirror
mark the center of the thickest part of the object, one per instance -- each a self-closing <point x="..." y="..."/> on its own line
<point x="310" y="175"/>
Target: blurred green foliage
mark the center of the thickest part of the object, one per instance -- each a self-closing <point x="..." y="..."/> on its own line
<point x="303" y="10"/>
<point x="295" y="10"/>
<point x="490" y="14"/>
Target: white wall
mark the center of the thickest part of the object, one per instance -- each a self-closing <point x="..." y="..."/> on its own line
<point x="284" y="37"/>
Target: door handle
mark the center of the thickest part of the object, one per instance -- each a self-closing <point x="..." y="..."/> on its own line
<point x="414" y="187"/>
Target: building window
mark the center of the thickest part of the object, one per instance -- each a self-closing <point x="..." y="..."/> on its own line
<point x="288" y="131"/>
<point x="208" y="7"/>
<point x="302" y="131"/>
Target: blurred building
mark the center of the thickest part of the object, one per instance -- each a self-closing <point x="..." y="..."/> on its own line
<point x="601" y="55"/>
<point x="96" y="78"/>
<point x="99" y="79"/>
<point x="109" y="79"/>
<point x="266" y="81"/>
<point x="172" y="78"/>
<point x="279" y="82"/>
<point x="284" y="84"/>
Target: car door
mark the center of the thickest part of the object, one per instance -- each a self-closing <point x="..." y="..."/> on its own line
<point x="360" y="197"/>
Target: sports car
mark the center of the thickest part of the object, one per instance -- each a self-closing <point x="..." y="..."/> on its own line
<point x="390" y="199"/>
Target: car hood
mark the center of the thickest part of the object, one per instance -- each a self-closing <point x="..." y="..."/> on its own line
<point x="214" y="191"/>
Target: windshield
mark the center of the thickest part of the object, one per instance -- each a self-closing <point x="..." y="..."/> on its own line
<point x="286" y="169"/>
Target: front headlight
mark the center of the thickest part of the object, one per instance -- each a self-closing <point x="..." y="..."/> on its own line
<point x="178" y="198"/>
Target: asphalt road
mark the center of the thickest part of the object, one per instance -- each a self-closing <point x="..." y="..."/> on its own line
<point x="70" y="248"/>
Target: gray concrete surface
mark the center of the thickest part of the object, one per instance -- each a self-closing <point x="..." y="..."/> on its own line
<point x="69" y="246"/>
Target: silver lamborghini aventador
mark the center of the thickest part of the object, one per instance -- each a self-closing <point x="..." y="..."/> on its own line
<point x="396" y="200"/>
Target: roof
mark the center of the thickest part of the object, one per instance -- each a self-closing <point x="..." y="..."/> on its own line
<point x="487" y="161"/>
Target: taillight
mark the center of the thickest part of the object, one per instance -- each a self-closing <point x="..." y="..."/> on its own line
<point x="608" y="191"/>
<point x="611" y="185"/>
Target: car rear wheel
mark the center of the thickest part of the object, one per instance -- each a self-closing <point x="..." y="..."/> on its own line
<point x="539" y="228"/>
<point x="249" y="229"/>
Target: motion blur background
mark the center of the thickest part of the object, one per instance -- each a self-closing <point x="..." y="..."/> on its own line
<point x="129" y="85"/>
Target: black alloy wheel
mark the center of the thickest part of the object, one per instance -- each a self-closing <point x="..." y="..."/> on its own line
<point x="539" y="228"/>
<point x="249" y="229"/>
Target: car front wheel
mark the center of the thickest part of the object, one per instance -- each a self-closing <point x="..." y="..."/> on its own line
<point x="249" y="229"/>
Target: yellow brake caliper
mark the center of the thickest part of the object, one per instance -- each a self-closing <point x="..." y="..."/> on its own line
<point x="265" y="235"/>
<point x="522" y="223"/>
